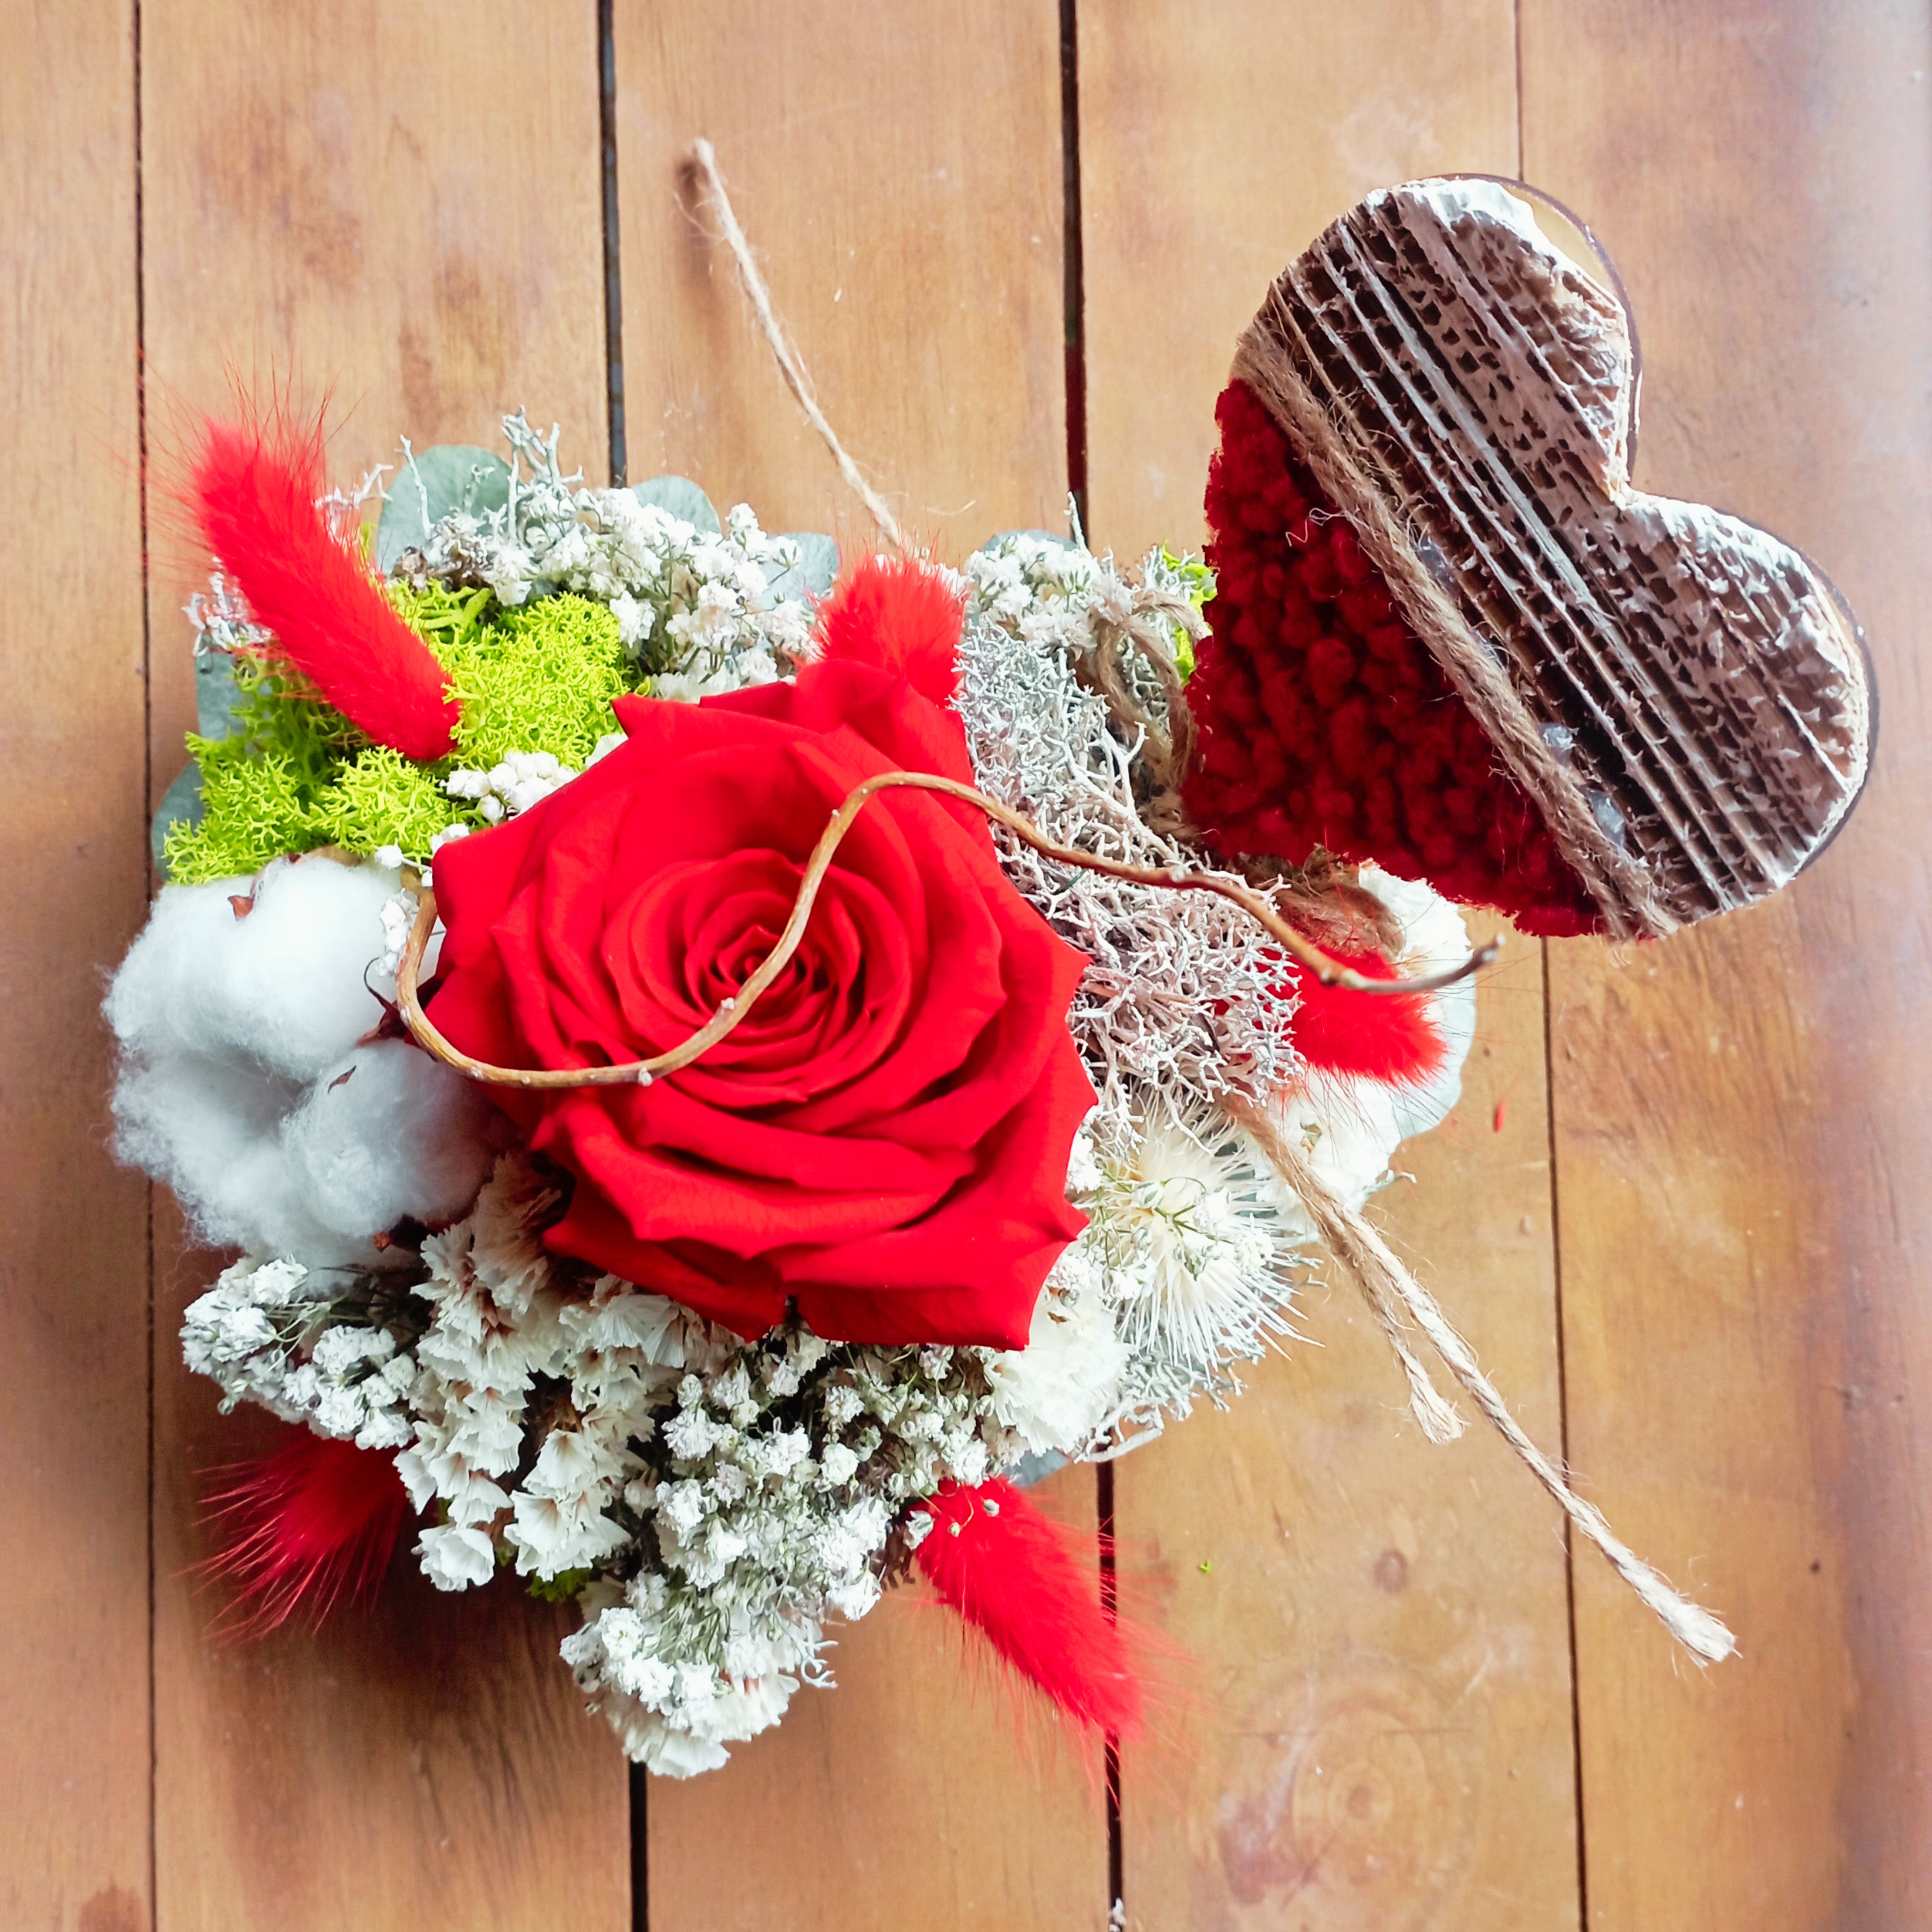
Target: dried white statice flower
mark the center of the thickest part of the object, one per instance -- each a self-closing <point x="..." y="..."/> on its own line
<point x="246" y="1331"/>
<point x="726" y="1497"/>
<point x="271" y="1332"/>
<point x="493" y="1327"/>
<point x="703" y="610"/>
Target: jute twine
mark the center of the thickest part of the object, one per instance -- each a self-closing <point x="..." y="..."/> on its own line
<point x="1143" y="621"/>
<point x="1344" y="464"/>
<point x="1396" y="1298"/>
<point x="1400" y="1304"/>
<point x="705" y="164"/>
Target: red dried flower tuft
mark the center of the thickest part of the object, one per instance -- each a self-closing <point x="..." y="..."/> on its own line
<point x="1323" y="718"/>
<point x="898" y="614"/>
<point x="253" y="493"/>
<point x="1009" y="1571"/>
<point x="302" y="1529"/>
<point x="1391" y="1038"/>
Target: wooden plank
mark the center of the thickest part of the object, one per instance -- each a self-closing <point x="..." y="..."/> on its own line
<point x="1381" y="1626"/>
<point x="74" y="1702"/>
<point x="401" y="203"/>
<point x="898" y="171"/>
<point x="1215" y="145"/>
<point x="1741" y="1136"/>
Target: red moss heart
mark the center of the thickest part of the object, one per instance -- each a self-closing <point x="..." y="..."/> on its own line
<point x="1450" y="638"/>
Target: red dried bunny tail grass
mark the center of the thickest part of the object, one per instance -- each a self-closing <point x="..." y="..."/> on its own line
<point x="303" y="1528"/>
<point x="901" y="615"/>
<point x="254" y="493"/>
<point x="1008" y="1571"/>
<point x="1393" y="1040"/>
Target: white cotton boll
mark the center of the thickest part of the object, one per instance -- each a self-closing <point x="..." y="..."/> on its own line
<point x="1350" y="1130"/>
<point x="208" y="1130"/>
<point x="283" y="983"/>
<point x="1434" y="938"/>
<point x="387" y="1134"/>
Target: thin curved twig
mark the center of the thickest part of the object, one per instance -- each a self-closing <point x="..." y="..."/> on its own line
<point x="641" y="1072"/>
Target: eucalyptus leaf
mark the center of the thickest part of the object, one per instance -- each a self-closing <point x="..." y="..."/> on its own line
<point x="679" y="496"/>
<point x="1036" y="1467"/>
<point x="440" y="482"/>
<point x="818" y="566"/>
<point x="217" y="700"/>
<point x="216" y="695"/>
<point x="1045" y="536"/>
<point x="181" y="803"/>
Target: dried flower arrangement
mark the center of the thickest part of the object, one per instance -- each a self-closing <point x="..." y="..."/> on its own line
<point x="723" y="1067"/>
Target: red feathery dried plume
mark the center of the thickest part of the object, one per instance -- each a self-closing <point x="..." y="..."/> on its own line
<point x="253" y="491"/>
<point x="1391" y="1037"/>
<point x="303" y="1528"/>
<point x="900" y="615"/>
<point x="1008" y="1571"/>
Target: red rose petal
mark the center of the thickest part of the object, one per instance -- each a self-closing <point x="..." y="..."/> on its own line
<point x="886" y="1131"/>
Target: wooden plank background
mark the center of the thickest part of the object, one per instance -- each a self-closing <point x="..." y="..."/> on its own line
<point x="1681" y="1211"/>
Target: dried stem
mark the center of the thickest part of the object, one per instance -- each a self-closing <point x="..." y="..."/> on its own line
<point x="706" y="163"/>
<point x="640" y="1072"/>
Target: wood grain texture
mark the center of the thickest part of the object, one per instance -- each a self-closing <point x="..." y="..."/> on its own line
<point x="898" y="172"/>
<point x="74" y="1704"/>
<point x="395" y="206"/>
<point x="1742" y="1134"/>
<point x="400" y="203"/>
<point x="1381" y="1627"/>
<point x="1216" y="143"/>
<point x="1378" y="1626"/>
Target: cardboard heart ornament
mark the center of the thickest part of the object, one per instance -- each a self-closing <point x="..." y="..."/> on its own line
<point x="1450" y="637"/>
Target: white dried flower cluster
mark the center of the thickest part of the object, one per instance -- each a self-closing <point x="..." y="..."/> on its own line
<point x="267" y="1333"/>
<point x="514" y="784"/>
<point x="706" y="611"/>
<point x="726" y="1497"/>
<point x="772" y="1484"/>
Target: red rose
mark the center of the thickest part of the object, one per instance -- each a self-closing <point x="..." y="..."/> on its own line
<point x="885" y="1136"/>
